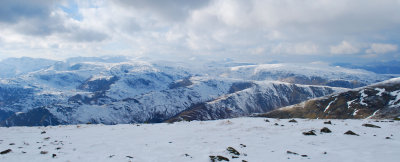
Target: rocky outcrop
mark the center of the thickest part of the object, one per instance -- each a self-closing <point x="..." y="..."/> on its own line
<point x="34" y="117"/>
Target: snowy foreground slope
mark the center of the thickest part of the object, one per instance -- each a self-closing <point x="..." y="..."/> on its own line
<point x="255" y="140"/>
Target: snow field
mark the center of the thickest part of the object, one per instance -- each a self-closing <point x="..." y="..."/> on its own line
<point x="255" y="140"/>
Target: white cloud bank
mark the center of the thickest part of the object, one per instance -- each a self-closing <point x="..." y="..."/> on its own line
<point x="344" y="48"/>
<point x="378" y="48"/>
<point x="211" y="28"/>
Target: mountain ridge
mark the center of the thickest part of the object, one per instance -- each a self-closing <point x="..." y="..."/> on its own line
<point x="112" y="91"/>
<point x="380" y="100"/>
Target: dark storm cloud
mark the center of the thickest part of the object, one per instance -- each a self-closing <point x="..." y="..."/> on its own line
<point x="175" y="10"/>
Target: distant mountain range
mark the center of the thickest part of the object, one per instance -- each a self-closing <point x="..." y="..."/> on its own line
<point x="112" y="90"/>
<point x="388" y="67"/>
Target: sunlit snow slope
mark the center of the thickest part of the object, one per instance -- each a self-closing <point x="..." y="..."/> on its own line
<point x="252" y="138"/>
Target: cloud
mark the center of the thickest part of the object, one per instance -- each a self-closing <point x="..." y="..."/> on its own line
<point x="11" y="11"/>
<point x="305" y="48"/>
<point x="209" y="28"/>
<point x="86" y="35"/>
<point x="36" y="17"/>
<point x="173" y="10"/>
<point x="379" y="48"/>
<point x="42" y="18"/>
<point x="344" y="48"/>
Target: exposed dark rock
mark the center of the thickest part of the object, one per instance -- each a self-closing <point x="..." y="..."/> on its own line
<point x="98" y="84"/>
<point x="293" y="121"/>
<point x="44" y="152"/>
<point x="232" y="151"/>
<point x="310" y="133"/>
<point x="325" y="130"/>
<point x="266" y="120"/>
<point x="54" y="155"/>
<point x="43" y="132"/>
<point x="218" y="158"/>
<point x="183" y="83"/>
<point x="242" y="145"/>
<point x="97" y="97"/>
<point x="328" y="122"/>
<point x="351" y="133"/>
<point x="387" y="138"/>
<point x="12" y="144"/>
<point x="276" y="124"/>
<point x="130" y="157"/>
<point x="5" y="114"/>
<point x="304" y="155"/>
<point x="13" y="94"/>
<point x="5" y="151"/>
<point x="371" y="125"/>
<point x="240" y="86"/>
<point x="34" y="117"/>
<point x="290" y="152"/>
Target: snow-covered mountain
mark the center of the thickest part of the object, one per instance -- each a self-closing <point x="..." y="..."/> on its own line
<point x="310" y="74"/>
<point x="253" y="97"/>
<point x="13" y="67"/>
<point x="119" y="90"/>
<point x="381" y="100"/>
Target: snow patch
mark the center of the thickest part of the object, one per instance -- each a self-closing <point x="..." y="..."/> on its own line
<point x="396" y="101"/>
<point x="373" y="114"/>
<point x="327" y="107"/>
<point x="18" y="113"/>
<point x="355" y="112"/>
<point x="350" y="102"/>
<point x="380" y="91"/>
<point x="363" y="95"/>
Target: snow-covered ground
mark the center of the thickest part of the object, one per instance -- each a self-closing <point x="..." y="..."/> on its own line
<point x="255" y="139"/>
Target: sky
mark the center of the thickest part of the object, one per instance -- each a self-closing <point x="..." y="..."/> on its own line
<point x="243" y="30"/>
